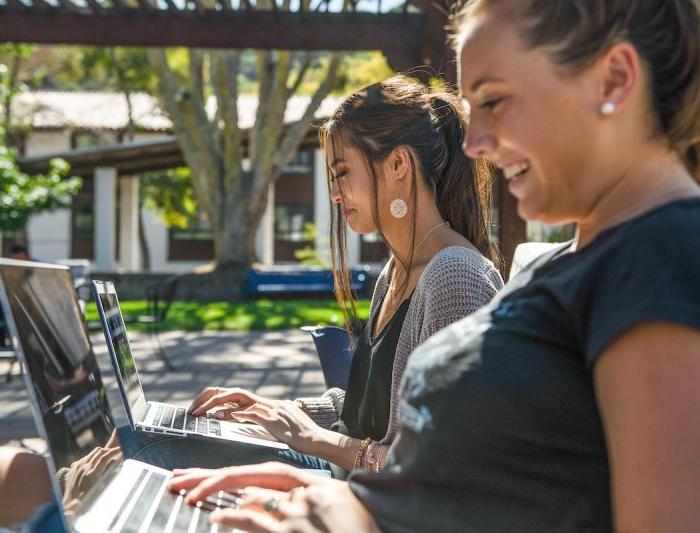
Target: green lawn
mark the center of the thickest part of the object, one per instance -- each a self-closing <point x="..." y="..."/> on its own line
<point x="253" y="315"/>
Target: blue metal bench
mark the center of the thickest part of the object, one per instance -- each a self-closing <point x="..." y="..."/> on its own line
<point x="282" y="280"/>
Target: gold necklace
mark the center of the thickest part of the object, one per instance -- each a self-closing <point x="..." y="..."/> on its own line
<point x="427" y="234"/>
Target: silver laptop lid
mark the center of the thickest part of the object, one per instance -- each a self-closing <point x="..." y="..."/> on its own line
<point x="120" y="351"/>
<point x="69" y="400"/>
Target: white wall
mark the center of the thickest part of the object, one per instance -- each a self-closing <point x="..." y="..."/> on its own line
<point x="46" y="142"/>
<point x="49" y="233"/>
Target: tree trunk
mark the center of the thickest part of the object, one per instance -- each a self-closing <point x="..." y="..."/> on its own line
<point x="213" y="146"/>
<point x="230" y="235"/>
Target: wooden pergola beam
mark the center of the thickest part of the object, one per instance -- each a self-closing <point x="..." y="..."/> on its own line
<point x="263" y="30"/>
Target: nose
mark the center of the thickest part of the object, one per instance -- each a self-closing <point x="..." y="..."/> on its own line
<point x="478" y="143"/>
<point x="335" y="192"/>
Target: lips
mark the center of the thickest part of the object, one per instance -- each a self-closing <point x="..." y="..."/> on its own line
<point x="514" y="170"/>
<point x="346" y="212"/>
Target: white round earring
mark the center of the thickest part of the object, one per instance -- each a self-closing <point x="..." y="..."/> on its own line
<point x="607" y="109"/>
<point x="398" y="208"/>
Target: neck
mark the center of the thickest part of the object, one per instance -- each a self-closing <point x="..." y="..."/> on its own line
<point x="401" y="239"/>
<point x="651" y="181"/>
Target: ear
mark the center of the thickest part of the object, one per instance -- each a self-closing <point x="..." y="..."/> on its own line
<point x="619" y="72"/>
<point x="397" y="167"/>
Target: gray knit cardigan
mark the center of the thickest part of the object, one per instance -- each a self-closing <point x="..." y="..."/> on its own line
<point x="456" y="282"/>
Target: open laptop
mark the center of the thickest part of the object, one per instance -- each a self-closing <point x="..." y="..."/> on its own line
<point x="72" y="415"/>
<point x="156" y="417"/>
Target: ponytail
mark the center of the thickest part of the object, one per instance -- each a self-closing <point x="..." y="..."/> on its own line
<point x="431" y="124"/>
<point x="462" y="186"/>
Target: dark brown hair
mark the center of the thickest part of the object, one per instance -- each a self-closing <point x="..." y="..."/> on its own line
<point x="431" y="125"/>
<point x="665" y="33"/>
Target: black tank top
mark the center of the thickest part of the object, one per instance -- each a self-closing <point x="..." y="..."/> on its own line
<point x="368" y="396"/>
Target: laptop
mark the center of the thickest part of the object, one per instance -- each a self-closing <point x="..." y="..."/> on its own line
<point x="157" y="417"/>
<point x="71" y="412"/>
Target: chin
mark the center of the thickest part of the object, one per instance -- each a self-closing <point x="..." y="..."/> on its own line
<point x="528" y="212"/>
<point x="357" y="228"/>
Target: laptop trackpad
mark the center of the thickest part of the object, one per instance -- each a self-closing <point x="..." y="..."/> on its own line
<point x="251" y="433"/>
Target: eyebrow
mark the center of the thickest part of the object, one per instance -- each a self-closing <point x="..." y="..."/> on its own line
<point x="481" y="81"/>
<point x="336" y="161"/>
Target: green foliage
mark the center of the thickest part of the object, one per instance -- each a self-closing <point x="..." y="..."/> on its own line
<point x="245" y="316"/>
<point x="170" y="195"/>
<point x="361" y="69"/>
<point x="22" y="196"/>
<point x="562" y="234"/>
<point x="123" y="69"/>
<point x="308" y="255"/>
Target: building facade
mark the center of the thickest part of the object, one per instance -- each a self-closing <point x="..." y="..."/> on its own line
<point x="106" y="224"/>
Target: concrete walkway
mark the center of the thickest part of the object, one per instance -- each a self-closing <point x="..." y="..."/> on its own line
<point x="279" y="364"/>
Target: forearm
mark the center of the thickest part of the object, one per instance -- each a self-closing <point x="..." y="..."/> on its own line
<point x="335" y="447"/>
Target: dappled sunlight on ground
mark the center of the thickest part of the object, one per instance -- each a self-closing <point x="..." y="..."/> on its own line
<point x="279" y="364"/>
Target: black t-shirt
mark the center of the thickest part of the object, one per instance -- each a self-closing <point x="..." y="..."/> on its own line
<point x="499" y="426"/>
<point x="367" y="403"/>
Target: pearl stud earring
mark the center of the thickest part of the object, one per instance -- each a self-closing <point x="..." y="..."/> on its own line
<point x="607" y="109"/>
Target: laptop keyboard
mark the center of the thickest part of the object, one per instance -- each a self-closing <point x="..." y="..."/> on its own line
<point x="171" y="417"/>
<point x="157" y="510"/>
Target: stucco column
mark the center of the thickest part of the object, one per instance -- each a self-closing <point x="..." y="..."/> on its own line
<point x="129" y="249"/>
<point x="354" y="248"/>
<point x="322" y="212"/>
<point x="265" y="237"/>
<point x="105" y="217"/>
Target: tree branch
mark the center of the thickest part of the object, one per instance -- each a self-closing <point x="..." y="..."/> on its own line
<point x="194" y="132"/>
<point x="303" y="68"/>
<point x="296" y="132"/>
<point x="266" y="71"/>
<point x="196" y="64"/>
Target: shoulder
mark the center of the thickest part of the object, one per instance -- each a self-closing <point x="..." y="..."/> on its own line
<point x="459" y="266"/>
<point x="668" y="232"/>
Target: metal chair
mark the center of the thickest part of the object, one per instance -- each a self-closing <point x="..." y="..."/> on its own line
<point x="160" y="298"/>
<point x="335" y="353"/>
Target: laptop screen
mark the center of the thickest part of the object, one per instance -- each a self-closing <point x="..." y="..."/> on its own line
<point x="51" y="335"/>
<point x="118" y="344"/>
<point x="68" y="398"/>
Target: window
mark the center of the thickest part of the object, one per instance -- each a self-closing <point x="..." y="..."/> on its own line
<point x="290" y="220"/>
<point x="198" y="229"/>
<point x="193" y="243"/>
<point x="83" y="221"/>
<point x="301" y="164"/>
<point x="86" y="139"/>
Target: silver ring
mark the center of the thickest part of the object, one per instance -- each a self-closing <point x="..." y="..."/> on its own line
<point x="271" y="504"/>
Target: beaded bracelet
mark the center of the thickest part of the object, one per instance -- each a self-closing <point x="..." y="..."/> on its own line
<point x="359" y="458"/>
<point x="371" y="458"/>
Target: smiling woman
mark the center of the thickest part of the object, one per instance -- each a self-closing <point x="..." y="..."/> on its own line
<point x="570" y="403"/>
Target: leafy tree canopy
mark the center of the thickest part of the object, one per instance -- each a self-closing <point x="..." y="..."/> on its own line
<point x="22" y="195"/>
<point x="170" y="195"/>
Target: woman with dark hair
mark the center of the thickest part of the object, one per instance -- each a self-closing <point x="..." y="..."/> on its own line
<point x="396" y="167"/>
<point x="571" y="402"/>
